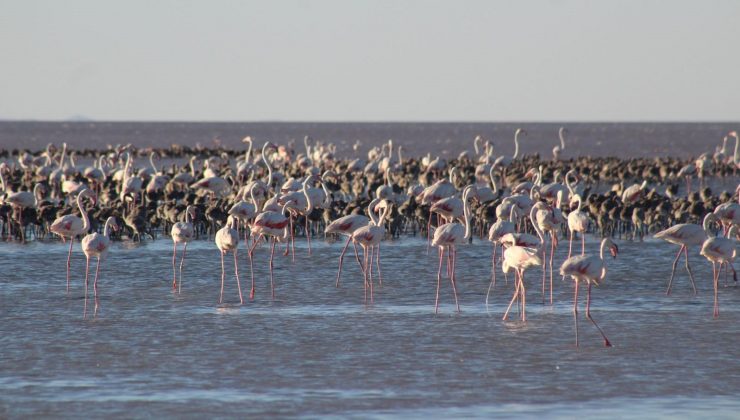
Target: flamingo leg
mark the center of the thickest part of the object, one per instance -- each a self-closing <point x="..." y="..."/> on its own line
<point x="688" y="268"/>
<point x="552" y="254"/>
<point x="523" y="292"/>
<point x="583" y="243"/>
<point x="69" y="259"/>
<point x="251" y="271"/>
<point x="453" y="251"/>
<point x="272" y="255"/>
<point x="575" y="310"/>
<point x="182" y="264"/>
<point x="544" y="269"/>
<point x="341" y="260"/>
<point x="223" y="275"/>
<point x="174" y="271"/>
<point x="364" y="271"/>
<point x="439" y="278"/>
<point x="377" y="264"/>
<point x="308" y="236"/>
<point x="95" y="286"/>
<point x="673" y="271"/>
<point x="357" y="255"/>
<point x="513" y="297"/>
<point x="715" y="281"/>
<point x="493" y="273"/>
<point x="370" y="271"/>
<point x="429" y="231"/>
<point x="87" y="272"/>
<point x="236" y="273"/>
<point x="588" y="315"/>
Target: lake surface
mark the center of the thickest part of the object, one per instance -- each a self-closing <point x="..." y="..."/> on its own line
<point x="320" y="351"/>
<point x="447" y="139"/>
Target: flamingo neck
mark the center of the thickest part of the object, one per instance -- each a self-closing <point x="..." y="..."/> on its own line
<point x="562" y="138"/>
<point x="493" y="179"/>
<point x="192" y="166"/>
<point x="151" y="162"/>
<point x="64" y="155"/>
<point x="249" y="151"/>
<point x="269" y="167"/>
<point x="601" y="251"/>
<point x="85" y="219"/>
<point x="537" y="229"/>
<point x="735" y="155"/>
<point x="466" y="213"/>
<point x="516" y="145"/>
<point x="106" y="229"/>
<point x="309" y="203"/>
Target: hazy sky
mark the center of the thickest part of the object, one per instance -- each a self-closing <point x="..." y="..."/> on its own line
<point x="374" y="60"/>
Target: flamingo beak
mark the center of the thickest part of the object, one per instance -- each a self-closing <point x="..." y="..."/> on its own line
<point x="614" y="251"/>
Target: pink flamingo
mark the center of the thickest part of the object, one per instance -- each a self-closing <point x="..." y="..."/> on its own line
<point x="227" y="239"/>
<point x="369" y="237"/>
<point x="347" y="225"/>
<point x="181" y="232"/>
<point x="578" y="222"/>
<point x="448" y="237"/>
<point x="723" y="251"/>
<point x="685" y="235"/>
<point x="96" y="245"/>
<point x="592" y="270"/>
<point x="519" y="258"/>
<point x="69" y="226"/>
<point x="274" y="224"/>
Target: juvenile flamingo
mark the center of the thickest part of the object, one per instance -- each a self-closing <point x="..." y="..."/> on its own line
<point x="227" y="239"/>
<point x="723" y="251"/>
<point x="69" y="226"/>
<point x="592" y="270"/>
<point x="181" y="232"/>
<point x="96" y="245"/>
<point x="447" y="237"/>
<point x="685" y="235"/>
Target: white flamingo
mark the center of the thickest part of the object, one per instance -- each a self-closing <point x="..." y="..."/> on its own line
<point x="347" y="225"/>
<point x="369" y="237"/>
<point x="592" y="270"/>
<point x="227" y="239"/>
<point x="96" y="245"/>
<point x="181" y="232"/>
<point x="69" y="226"/>
<point x="719" y="250"/>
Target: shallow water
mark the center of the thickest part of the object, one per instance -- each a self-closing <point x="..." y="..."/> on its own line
<point x="446" y="139"/>
<point x="318" y="351"/>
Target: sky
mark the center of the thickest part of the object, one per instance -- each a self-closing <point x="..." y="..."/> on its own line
<point x="379" y="60"/>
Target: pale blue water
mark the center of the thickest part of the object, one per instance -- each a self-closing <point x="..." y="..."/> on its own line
<point x="318" y="351"/>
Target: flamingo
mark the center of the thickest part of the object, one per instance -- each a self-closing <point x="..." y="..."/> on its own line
<point x="578" y="221"/>
<point x="495" y="233"/>
<point x="369" y="237"/>
<point x="723" y="251"/>
<point x="448" y="237"/>
<point x="347" y="225"/>
<point x="592" y="270"/>
<point x="557" y="150"/>
<point x="96" y="245"/>
<point x="274" y="224"/>
<point x="181" y="232"/>
<point x="631" y="194"/>
<point x="21" y="200"/>
<point x="227" y="239"/>
<point x="505" y="161"/>
<point x="519" y="258"/>
<point x="685" y="235"/>
<point x="69" y="226"/>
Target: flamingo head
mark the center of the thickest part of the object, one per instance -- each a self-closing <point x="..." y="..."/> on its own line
<point x="614" y="250"/>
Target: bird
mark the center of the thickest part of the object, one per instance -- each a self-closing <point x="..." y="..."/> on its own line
<point x="557" y="150"/>
<point x="592" y="270"/>
<point x="369" y="237"/>
<point x="519" y="258"/>
<point x="685" y="235"/>
<point x="506" y="161"/>
<point x="227" y="239"/>
<point x="495" y="234"/>
<point x="69" y="226"/>
<point x="447" y="237"/>
<point x="723" y="251"/>
<point x="273" y="224"/>
<point x="578" y="221"/>
<point x="631" y="194"/>
<point x="347" y="225"/>
<point x="181" y="232"/>
<point x="96" y="245"/>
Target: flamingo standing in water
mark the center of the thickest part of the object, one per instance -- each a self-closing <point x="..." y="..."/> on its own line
<point x="495" y="234"/>
<point x="181" y="232"/>
<point x="448" y="237"/>
<point x="685" y="235"/>
<point x="274" y="224"/>
<point x="723" y="251"/>
<point x="592" y="270"/>
<point x="69" y="226"/>
<point x="227" y="239"/>
<point x="369" y="237"/>
<point x="96" y="245"/>
<point x="347" y="225"/>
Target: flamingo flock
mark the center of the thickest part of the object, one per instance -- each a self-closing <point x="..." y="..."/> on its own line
<point x="271" y="195"/>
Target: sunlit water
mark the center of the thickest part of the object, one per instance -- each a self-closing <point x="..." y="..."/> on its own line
<point x="318" y="350"/>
